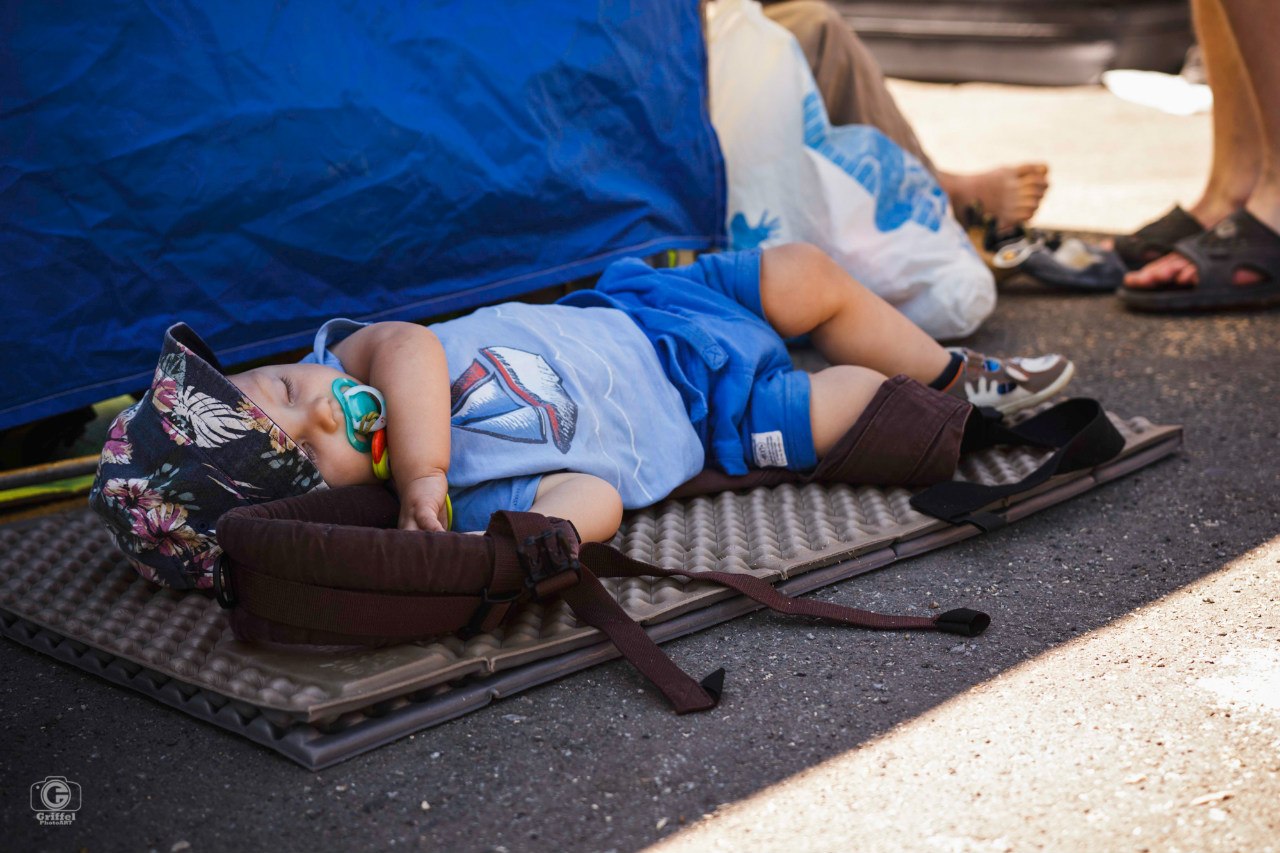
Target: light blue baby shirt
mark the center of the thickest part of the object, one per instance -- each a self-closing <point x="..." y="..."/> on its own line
<point x="537" y="389"/>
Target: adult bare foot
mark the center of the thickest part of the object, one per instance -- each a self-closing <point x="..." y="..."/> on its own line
<point x="1165" y="270"/>
<point x="1176" y="270"/>
<point x="1011" y="194"/>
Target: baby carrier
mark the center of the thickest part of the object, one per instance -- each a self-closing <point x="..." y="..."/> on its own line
<point x="329" y="567"/>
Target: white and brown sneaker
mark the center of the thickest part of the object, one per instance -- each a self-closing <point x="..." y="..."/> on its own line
<point x="1010" y="384"/>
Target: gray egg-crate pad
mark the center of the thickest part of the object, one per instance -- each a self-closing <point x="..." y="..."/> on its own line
<point x="65" y="590"/>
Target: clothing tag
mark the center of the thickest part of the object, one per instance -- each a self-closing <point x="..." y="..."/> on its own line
<point x="768" y="449"/>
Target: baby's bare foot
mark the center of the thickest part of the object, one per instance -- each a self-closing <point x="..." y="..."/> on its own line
<point x="1011" y="194"/>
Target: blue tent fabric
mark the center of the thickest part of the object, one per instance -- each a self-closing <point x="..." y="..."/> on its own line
<point x="257" y="168"/>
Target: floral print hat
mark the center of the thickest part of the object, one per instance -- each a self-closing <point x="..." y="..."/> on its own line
<point x="191" y="449"/>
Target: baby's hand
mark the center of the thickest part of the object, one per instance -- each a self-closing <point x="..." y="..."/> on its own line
<point x="422" y="503"/>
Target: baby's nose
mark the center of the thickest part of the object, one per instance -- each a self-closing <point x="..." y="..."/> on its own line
<point x="327" y="413"/>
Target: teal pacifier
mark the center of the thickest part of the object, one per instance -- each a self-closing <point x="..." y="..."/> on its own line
<point x="365" y="411"/>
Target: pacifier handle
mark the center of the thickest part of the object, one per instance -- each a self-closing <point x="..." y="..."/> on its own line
<point x="380" y="422"/>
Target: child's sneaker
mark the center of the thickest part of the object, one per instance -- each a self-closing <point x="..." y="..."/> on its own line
<point x="1010" y="384"/>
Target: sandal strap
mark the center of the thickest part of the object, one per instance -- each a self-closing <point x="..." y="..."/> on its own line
<point x="1170" y="228"/>
<point x="1158" y="236"/>
<point x="1240" y="240"/>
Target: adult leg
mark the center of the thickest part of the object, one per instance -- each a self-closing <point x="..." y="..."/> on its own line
<point x="1254" y="23"/>
<point x="1242" y="69"/>
<point x="1237" y="130"/>
<point x="854" y="92"/>
<point x="848" y="76"/>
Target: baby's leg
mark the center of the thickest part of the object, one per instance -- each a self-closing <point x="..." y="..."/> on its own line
<point x="803" y="291"/>
<point x="837" y="397"/>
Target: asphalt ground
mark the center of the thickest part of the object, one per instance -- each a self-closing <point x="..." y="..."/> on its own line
<point x="1126" y="696"/>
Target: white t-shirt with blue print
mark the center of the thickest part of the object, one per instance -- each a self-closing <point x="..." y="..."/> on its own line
<point x="537" y="389"/>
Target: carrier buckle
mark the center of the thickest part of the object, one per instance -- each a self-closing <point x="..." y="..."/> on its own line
<point x="222" y="584"/>
<point x="479" y="619"/>
<point x="550" y="560"/>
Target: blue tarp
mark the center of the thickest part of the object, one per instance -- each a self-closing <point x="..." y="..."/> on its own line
<point x="256" y="168"/>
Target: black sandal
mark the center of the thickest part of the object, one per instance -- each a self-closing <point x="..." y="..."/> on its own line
<point x="1239" y="242"/>
<point x="1156" y="239"/>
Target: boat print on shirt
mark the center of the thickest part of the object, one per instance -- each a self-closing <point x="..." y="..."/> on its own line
<point x="514" y="395"/>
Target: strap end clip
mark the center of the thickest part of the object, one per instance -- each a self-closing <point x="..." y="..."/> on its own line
<point x="962" y="621"/>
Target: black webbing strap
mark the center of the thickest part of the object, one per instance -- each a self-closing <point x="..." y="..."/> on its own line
<point x="1080" y="431"/>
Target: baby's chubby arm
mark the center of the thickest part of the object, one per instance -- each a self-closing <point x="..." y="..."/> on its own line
<point x="407" y="364"/>
<point x="593" y="505"/>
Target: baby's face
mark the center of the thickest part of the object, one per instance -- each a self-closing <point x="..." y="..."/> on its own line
<point x="300" y="399"/>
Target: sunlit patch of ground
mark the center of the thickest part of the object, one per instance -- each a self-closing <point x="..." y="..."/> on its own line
<point x="1159" y="731"/>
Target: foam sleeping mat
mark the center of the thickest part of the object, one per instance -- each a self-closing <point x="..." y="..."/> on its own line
<point x="66" y="591"/>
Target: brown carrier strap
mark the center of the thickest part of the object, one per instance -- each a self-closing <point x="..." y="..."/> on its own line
<point x="912" y="435"/>
<point x="324" y="568"/>
<point x="292" y="575"/>
<point x="352" y="613"/>
<point x="609" y="562"/>
<point x="908" y="435"/>
<point x="592" y="604"/>
<point x="293" y="566"/>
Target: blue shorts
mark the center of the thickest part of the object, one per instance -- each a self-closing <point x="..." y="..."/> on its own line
<point x="746" y="401"/>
